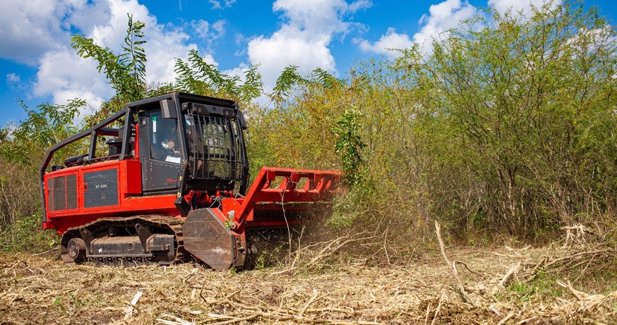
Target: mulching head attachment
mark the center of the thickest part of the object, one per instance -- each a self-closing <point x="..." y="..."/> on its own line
<point x="278" y="197"/>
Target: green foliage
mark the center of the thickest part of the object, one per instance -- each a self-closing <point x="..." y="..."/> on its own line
<point x="107" y="60"/>
<point x="252" y="87"/>
<point x="543" y="286"/>
<point x="133" y="60"/>
<point x="126" y="72"/>
<point x="324" y="78"/>
<point x="298" y="132"/>
<point x="22" y="148"/>
<point x="200" y="77"/>
<point x="161" y="89"/>
<point x="26" y="235"/>
<point x="507" y="126"/>
<point x="355" y="207"/>
<point x="349" y="146"/>
<point x="292" y="82"/>
<point x="43" y="127"/>
<point x="525" y="102"/>
<point x="289" y="78"/>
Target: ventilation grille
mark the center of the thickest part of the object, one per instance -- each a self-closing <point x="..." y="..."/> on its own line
<point x="63" y="193"/>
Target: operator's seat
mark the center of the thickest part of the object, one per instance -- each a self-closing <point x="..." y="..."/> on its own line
<point x="115" y="146"/>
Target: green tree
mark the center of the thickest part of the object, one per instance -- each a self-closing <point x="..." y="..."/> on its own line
<point x="197" y="76"/>
<point x="529" y="104"/>
<point x="126" y="72"/>
<point x="26" y="142"/>
<point x="22" y="148"/>
<point x="290" y="81"/>
<point x="349" y="146"/>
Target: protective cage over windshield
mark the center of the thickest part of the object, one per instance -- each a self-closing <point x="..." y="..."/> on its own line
<point x="214" y="147"/>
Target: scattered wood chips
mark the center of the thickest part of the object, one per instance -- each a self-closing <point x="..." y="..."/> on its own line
<point x="326" y="289"/>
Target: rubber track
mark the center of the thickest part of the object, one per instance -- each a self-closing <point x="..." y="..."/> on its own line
<point x="173" y="223"/>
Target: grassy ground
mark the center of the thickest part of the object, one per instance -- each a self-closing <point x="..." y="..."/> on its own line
<point x="504" y="285"/>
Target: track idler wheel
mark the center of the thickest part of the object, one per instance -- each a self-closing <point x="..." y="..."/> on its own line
<point x="76" y="250"/>
<point x="208" y="239"/>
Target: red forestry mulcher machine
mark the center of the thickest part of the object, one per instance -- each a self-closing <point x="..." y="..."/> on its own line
<point x="171" y="185"/>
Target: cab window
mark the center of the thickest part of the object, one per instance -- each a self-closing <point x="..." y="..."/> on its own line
<point x="164" y="144"/>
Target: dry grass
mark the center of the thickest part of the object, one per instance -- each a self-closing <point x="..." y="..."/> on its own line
<point x="322" y="285"/>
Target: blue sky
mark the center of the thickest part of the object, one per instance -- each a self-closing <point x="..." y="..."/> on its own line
<point x="38" y="65"/>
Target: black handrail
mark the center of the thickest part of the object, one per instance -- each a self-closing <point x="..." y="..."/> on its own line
<point x="65" y="142"/>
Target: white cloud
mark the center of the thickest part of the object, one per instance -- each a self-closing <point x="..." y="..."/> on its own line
<point x="318" y="17"/>
<point x="164" y="43"/>
<point x="30" y="28"/>
<point x="238" y="71"/>
<point x="38" y="33"/>
<point x="304" y="37"/>
<point x="219" y="28"/>
<point x="201" y="27"/>
<point x="441" y="18"/>
<point x="163" y="47"/>
<point x="13" y="79"/>
<point x="88" y="15"/>
<point x="275" y="53"/>
<point x="81" y="80"/>
<point x="111" y="33"/>
<point x="63" y="75"/>
<point x="387" y="44"/>
<point x="208" y="32"/>
<point x="221" y="4"/>
<point x="520" y="7"/>
<point x="14" y="82"/>
<point x="241" y="42"/>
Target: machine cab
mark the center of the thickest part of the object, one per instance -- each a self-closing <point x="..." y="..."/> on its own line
<point x="159" y="148"/>
<point x="202" y="136"/>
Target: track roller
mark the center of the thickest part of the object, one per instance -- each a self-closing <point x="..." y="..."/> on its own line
<point x="76" y="248"/>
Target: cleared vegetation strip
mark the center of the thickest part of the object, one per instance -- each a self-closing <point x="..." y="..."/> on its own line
<point x="322" y="289"/>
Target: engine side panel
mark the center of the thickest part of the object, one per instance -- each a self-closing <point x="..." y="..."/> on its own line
<point x="82" y="194"/>
<point x="101" y="188"/>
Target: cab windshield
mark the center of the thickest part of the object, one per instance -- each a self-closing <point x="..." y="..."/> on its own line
<point x="213" y="145"/>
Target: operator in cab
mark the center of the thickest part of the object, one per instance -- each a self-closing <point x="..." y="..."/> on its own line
<point x="167" y="149"/>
